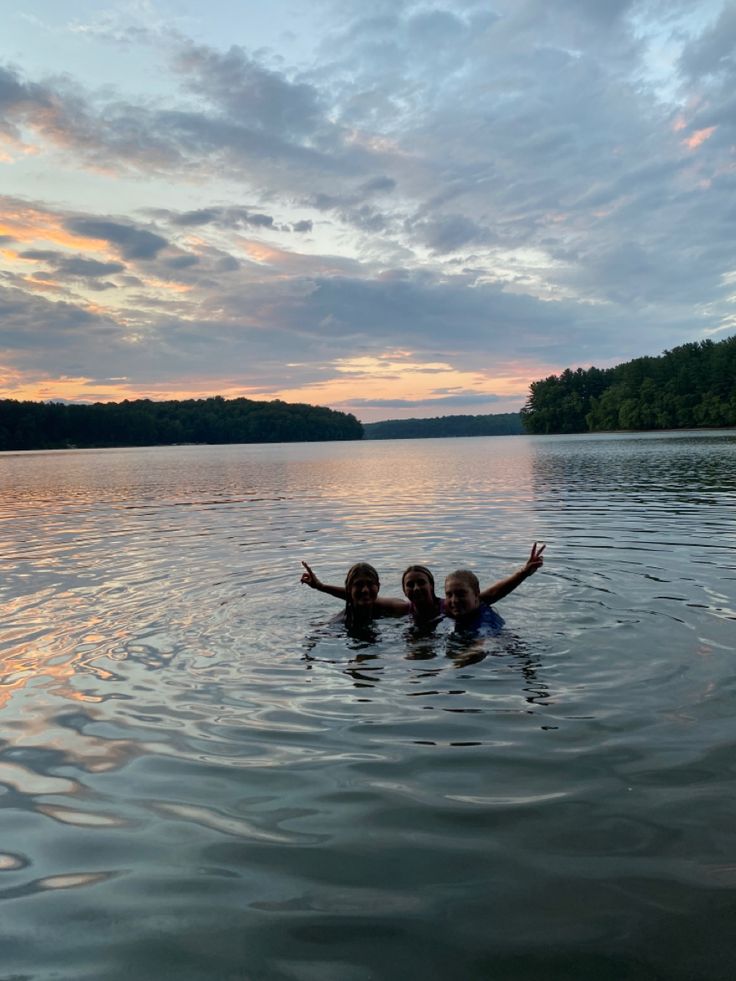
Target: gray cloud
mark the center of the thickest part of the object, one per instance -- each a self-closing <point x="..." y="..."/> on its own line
<point x="377" y="185"/>
<point x="227" y="263"/>
<point x="715" y="49"/>
<point x="450" y="233"/>
<point x="74" y="266"/>
<point x="132" y="242"/>
<point x="41" y="255"/>
<point x="202" y="216"/>
<point x="242" y="88"/>
<point x="252" y="117"/>
<point x="78" y="266"/>
<point x="260" y="221"/>
<point x="16" y="95"/>
<point x="460" y="400"/>
<point x="352" y="195"/>
<point x="228" y="217"/>
<point x="182" y="261"/>
<point x="233" y="217"/>
<point x="32" y="327"/>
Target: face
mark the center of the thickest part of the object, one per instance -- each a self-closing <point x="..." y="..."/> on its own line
<point x="418" y="589"/>
<point x="363" y="591"/>
<point x="460" y="598"/>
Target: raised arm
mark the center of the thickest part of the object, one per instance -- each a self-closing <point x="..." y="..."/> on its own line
<point x="505" y="586"/>
<point x="309" y="578"/>
<point x="384" y="605"/>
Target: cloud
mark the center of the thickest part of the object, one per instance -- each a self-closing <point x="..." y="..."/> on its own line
<point x="32" y="327"/>
<point x="234" y="217"/>
<point x="132" y="242"/>
<point x="451" y="232"/>
<point x="712" y="51"/>
<point x="18" y="98"/>
<point x="261" y="99"/>
<point x="202" y="216"/>
<point x="74" y="266"/>
<point x="41" y="255"/>
<point x="231" y="110"/>
<point x="533" y="186"/>
<point x="443" y="402"/>
<point x="182" y="261"/>
<point x="353" y="195"/>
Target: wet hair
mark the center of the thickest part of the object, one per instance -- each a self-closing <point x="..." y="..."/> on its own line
<point x="465" y="576"/>
<point x="359" y="569"/>
<point x="424" y="571"/>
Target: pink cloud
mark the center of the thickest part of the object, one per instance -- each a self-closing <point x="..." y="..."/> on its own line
<point x="699" y="137"/>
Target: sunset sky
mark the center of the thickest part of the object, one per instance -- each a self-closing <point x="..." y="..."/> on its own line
<point x="391" y="208"/>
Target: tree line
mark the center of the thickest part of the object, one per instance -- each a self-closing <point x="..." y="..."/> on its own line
<point x="142" y="422"/>
<point x="691" y="386"/>
<point x="501" y="424"/>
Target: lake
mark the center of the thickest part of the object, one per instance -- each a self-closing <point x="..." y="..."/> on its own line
<point x="201" y="779"/>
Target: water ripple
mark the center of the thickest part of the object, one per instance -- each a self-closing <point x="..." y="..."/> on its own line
<point x="199" y="777"/>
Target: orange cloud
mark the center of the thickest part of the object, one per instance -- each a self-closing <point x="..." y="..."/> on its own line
<point x="394" y="375"/>
<point x="11" y="148"/>
<point x="259" y="252"/>
<point x="42" y="284"/>
<point x="283" y="262"/>
<point x="699" y="137"/>
<point x="389" y="378"/>
<point x="16" y="385"/>
<point x="31" y="225"/>
<point x="171" y="287"/>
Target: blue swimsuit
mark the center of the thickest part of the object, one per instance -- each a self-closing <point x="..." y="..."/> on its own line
<point x="485" y="622"/>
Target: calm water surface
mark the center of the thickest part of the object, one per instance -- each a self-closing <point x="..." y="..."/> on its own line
<point x="199" y="779"/>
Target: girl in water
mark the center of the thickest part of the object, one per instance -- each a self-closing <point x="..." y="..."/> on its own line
<point x="417" y="583"/>
<point x="360" y="594"/>
<point x="464" y="605"/>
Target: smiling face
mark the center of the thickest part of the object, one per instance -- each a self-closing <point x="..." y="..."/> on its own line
<point x="362" y="585"/>
<point x="462" y="594"/>
<point x="363" y="591"/>
<point x="418" y="588"/>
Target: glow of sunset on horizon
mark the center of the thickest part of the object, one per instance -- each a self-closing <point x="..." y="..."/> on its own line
<point x="209" y="204"/>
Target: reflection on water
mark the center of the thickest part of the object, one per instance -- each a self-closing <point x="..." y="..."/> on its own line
<point x="201" y="777"/>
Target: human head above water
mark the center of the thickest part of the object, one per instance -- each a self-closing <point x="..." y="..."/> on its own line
<point x="417" y="582"/>
<point x="361" y="584"/>
<point x="462" y="593"/>
<point x="361" y="587"/>
<point x="465" y="576"/>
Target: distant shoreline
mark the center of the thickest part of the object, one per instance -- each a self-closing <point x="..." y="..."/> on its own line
<point x="143" y="446"/>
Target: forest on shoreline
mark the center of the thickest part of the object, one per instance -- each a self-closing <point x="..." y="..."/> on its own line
<point x="142" y="422"/>
<point x="501" y="424"/>
<point x="692" y="386"/>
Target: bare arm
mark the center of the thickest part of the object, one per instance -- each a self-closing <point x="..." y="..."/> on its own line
<point x="393" y="607"/>
<point x="309" y="578"/>
<point x="491" y="594"/>
<point x="386" y="607"/>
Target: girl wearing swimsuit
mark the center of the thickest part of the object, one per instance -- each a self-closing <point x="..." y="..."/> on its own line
<point x="464" y="605"/>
